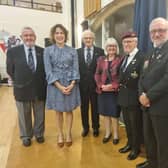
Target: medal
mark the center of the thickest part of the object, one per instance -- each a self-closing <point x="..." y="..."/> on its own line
<point x="134" y="75"/>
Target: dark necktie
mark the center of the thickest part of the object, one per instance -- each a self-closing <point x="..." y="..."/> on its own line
<point x="31" y="60"/>
<point x="124" y="65"/>
<point x="156" y="51"/>
<point x="88" y="57"/>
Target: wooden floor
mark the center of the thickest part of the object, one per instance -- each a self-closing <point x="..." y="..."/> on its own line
<point x="86" y="152"/>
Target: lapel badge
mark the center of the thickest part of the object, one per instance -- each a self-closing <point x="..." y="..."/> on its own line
<point x="134" y="75"/>
<point x="133" y="61"/>
<point x="146" y="63"/>
<point x="159" y="56"/>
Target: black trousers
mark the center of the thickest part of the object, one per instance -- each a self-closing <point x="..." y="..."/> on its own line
<point x="133" y="121"/>
<point x="156" y="139"/>
<point x="91" y="97"/>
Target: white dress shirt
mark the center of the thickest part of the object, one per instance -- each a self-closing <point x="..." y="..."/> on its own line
<point x="131" y="56"/>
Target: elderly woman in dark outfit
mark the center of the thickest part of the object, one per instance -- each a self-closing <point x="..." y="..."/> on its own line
<point x="62" y="74"/>
<point x="106" y="78"/>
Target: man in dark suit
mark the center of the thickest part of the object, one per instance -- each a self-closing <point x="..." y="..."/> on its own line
<point x="87" y="66"/>
<point x="153" y="90"/>
<point x="25" y="67"/>
<point x="128" y="94"/>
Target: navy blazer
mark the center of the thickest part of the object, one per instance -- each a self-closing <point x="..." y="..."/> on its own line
<point x="128" y="91"/>
<point x="27" y="85"/>
<point x="87" y="72"/>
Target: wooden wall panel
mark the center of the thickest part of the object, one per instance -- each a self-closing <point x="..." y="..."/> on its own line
<point x="91" y="6"/>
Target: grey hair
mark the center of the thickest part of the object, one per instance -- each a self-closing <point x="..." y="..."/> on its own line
<point x="27" y="28"/>
<point x="158" y="19"/>
<point x="112" y="41"/>
<point x="88" y="31"/>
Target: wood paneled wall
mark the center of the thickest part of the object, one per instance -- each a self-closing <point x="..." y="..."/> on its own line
<point x="91" y="6"/>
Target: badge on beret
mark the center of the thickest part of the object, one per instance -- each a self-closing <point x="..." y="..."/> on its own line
<point x="134" y="75"/>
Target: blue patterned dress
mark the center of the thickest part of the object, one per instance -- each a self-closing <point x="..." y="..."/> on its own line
<point x="61" y="64"/>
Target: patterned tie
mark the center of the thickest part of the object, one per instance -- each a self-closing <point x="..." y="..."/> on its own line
<point x="88" y="57"/>
<point x="31" y="60"/>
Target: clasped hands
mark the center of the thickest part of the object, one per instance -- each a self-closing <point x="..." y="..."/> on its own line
<point x="144" y="100"/>
<point x="107" y="87"/>
<point x="65" y="90"/>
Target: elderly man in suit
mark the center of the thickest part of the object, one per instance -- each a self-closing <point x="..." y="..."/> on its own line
<point x="88" y="55"/>
<point x="25" y="67"/>
<point x="153" y="90"/>
<point x="128" y="94"/>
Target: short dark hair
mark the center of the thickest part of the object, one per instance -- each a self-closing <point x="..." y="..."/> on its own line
<point x="53" y="29"/>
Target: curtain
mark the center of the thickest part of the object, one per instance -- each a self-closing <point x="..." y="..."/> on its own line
<point x="144" y="12"/>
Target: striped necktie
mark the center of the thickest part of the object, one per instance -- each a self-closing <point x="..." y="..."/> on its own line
<point x="31" y="60"/>
<point x="88" y="57"/>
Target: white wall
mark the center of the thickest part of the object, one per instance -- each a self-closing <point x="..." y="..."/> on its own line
<point x="80" y="19"/>
<point x="13" y="19"/>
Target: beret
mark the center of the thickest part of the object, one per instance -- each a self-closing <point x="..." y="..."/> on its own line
<point x="129" y="34"/>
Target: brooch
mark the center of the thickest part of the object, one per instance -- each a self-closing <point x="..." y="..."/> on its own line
<point x="134" y="75"/>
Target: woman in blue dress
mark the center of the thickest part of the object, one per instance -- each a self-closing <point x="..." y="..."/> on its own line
<point x="62" y="74"/>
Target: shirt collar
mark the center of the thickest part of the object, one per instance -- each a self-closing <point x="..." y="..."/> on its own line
<point x="133" y="53"/>
<point x="91" y="48"/>
<point x="27" y="48"/>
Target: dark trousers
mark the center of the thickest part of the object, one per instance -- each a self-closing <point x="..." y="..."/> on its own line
<point x="156" y="140"/>
<point x="91" y="97"/>
<point x="133" y="122"/>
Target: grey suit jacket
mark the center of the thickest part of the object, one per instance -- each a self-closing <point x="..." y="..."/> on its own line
<point x="154" y="81"/>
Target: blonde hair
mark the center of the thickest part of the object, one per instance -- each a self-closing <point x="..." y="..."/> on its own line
<point x="112" y="41"/>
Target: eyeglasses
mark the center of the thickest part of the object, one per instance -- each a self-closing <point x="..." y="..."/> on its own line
<point x="128" y="41"/>
<point x="158" y="31"/>
<point x="88" y="38"/>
